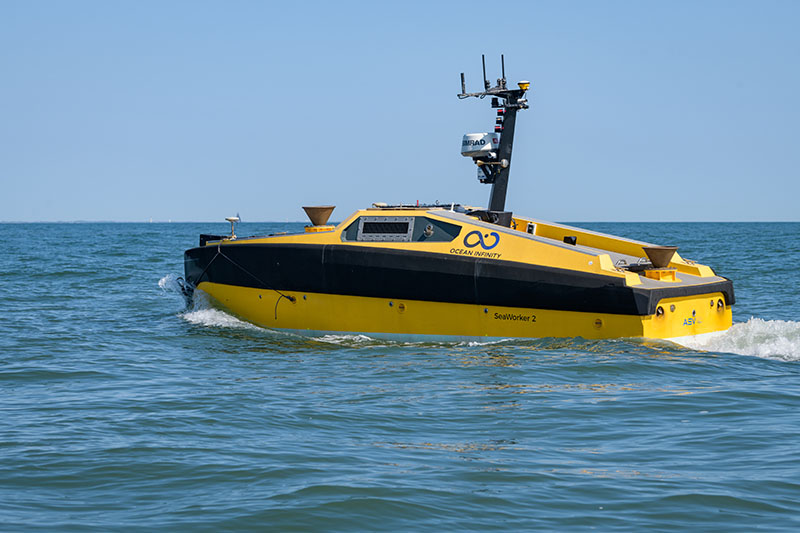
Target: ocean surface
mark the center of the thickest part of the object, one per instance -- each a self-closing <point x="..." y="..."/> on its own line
<point x="123" y="410"/>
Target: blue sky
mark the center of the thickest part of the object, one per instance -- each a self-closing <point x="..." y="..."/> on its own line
<point x="193" y="111"/>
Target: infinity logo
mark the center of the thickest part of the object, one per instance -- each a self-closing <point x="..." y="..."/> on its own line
<point x="480" y="240"/>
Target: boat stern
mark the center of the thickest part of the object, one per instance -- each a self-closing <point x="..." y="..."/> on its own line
<point x="688" y="316"/>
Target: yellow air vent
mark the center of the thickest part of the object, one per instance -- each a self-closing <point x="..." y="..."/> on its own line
<point x="316" y="229"/>
<point x="661" y="274"/>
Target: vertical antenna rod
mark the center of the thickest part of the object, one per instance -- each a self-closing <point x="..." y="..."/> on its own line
<point x="496" y="165"/>
<point x="463" y="84"/>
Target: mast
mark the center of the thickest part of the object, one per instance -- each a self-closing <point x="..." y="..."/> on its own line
<point x="496" y="165"/>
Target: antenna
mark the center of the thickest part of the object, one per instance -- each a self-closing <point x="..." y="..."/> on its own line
<point x="495" y="160"/>
<point x="232" y="220"/>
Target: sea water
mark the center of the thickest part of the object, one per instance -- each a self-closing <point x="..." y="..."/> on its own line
<point x="123" y="410"/>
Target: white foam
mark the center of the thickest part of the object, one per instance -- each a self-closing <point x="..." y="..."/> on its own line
<point x="770" y="339"/>
<point x="346" y="339"/>
<point x="402" y="339"/>
<point x="203" y="313"/>
<point x="215" y="318"/>
<point x="169" y="283"/>
<point x="473" y="344"/>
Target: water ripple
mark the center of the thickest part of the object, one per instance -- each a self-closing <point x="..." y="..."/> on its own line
<point x="124" y="410"/>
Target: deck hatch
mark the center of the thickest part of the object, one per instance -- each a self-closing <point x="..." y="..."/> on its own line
<point x="385" y="229"/>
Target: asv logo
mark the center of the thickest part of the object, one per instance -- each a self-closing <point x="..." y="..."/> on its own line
<point x="470" y="242"/>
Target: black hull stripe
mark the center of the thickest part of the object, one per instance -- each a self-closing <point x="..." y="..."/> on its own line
<point x="388" y="273"/>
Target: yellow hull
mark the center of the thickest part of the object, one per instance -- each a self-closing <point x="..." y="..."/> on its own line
<point x="385" y="317"/>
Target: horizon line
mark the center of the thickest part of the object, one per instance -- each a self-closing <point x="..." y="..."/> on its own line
<point x="336" y="223"/>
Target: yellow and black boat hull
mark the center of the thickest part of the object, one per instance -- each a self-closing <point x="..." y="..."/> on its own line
<point x="418" y="320"/>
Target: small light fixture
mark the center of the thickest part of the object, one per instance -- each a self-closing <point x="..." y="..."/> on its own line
<point x="524" y="85"/>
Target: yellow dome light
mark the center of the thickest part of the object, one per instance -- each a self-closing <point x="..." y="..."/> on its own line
<point x="524" y="85"/>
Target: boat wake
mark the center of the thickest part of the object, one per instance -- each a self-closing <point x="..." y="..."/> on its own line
<point x="361" y="339"/>
<point x="346" y="339"/>
<point x="200" y="311"/>
<point x="170" y="284"/>
<point x="769" y="339"/>
<point x="215" y="318"/>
